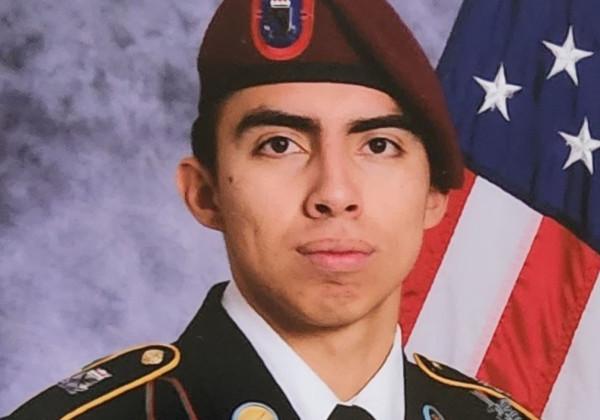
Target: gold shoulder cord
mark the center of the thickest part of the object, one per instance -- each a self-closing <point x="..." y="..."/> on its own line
<point x="121" y="390"/>
<point x="474" y="387"/>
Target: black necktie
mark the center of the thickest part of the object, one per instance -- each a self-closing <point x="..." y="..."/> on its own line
<point x="345" y="412"/>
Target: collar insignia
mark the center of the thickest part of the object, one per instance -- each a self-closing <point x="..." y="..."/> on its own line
<point x="82" y="381"/>
<point x="431" y="413"/>
<point x="282" y="29"/>
<point x="253" y="411"/>
<point x="502" y="409"/>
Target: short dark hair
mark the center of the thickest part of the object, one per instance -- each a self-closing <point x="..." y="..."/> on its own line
<point x="204" y="142"/>
<point x="204" y="133"/>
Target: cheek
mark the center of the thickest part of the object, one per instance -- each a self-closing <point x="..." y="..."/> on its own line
<point x="399" y="193"/>
<point x="256" y="213"/>
<point x="404" y="230"/>
<point x="398" y="207"/>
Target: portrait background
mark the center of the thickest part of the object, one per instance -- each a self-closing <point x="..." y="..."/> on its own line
<point x="97" y="252"/>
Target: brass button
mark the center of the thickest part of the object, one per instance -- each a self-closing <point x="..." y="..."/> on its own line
<point x="153" y="357"/>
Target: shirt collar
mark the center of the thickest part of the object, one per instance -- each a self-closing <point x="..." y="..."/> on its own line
<point x="310" y="397"/>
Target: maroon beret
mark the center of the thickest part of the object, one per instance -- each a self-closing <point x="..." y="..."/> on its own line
<point x="256" y="42"/>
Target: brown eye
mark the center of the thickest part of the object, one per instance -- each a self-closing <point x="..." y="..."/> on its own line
<point x="278" y="146"/>
<point x="378" y="145"/>
<point x="381" y="145"/>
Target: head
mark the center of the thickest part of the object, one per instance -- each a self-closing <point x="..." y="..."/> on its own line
<point x="322" y="184"/>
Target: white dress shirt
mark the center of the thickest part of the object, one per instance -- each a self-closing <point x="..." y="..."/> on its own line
<point x="311" y="398"/>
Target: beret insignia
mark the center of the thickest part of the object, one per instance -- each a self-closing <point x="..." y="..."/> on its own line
<point x="282" y="29"/>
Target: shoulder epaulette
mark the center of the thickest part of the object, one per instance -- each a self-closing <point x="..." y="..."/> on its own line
<point x="497" y="401"/>
<point x="102" y="381"/>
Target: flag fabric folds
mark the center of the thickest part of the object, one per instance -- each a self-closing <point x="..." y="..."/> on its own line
<point x="506" y="287"/>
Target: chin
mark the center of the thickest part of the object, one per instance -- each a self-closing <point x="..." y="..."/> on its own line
<point x="333" y="321"/>
<point x="336" y="310"/>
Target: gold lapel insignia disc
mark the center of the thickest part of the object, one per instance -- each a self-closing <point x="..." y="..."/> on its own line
<point x="153" y="357"/>
<point x="254" y="411"/>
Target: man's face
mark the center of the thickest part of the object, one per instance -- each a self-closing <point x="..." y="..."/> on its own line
<point x="322" y="197"/>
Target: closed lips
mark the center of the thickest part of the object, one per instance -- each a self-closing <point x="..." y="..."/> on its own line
<point x="336" y="246"/>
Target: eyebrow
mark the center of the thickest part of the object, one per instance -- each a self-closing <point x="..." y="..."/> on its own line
<point x="263" y="116"/>
<point x="268" y="117"/>
<point x="401" y="121"/>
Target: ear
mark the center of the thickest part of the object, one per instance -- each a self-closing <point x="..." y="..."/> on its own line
<point x="198" y="190"/>
<point x="437" y="203"/>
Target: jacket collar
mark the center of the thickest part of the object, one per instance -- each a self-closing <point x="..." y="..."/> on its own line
<point x="222" y="371"/>
<point x="220" y="368"/>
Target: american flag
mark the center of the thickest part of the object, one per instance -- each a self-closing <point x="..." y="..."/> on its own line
<point x="506" y="288"/>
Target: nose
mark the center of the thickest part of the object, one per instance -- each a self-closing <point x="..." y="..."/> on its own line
<point x="334" y="193"/>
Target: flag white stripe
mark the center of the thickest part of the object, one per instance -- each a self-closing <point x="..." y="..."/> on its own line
<point x="578" y="383"/>
<point x="478" y="272"/>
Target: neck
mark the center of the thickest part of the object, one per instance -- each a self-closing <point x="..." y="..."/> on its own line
<point x="347" y="358"/>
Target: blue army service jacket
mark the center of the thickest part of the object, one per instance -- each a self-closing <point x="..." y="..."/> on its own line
<point x="213" y="373"/>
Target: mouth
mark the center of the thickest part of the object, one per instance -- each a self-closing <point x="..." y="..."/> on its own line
<point x="337" y="255"/>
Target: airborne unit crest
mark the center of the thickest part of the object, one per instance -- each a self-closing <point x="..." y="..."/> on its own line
<point x="282" y="29"/>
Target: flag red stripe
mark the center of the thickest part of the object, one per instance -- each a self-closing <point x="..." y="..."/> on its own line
<point x="537" y="326"/>
<point x="435" y="243"/>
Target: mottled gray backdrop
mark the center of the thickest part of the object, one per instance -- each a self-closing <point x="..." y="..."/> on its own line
<point x="96" y="250"/>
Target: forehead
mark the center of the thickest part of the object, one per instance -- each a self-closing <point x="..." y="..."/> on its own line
<point x="319" y="100"/>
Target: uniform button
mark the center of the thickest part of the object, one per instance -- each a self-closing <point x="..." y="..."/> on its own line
<point x="153" y="357"/>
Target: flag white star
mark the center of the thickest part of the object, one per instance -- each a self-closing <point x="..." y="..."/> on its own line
<point x="582" y="147"/>
<point x="567" y="56"/>
<point x="497" y="93"/>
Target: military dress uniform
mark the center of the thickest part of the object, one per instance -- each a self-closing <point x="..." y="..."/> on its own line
<point x="213" y="371"/>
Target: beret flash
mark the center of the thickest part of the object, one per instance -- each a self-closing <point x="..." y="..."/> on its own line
<point x="257" y="42"/>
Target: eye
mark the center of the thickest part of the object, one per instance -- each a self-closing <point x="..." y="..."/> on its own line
<point x="278" y="146"/>
<point x="383" y="146"/>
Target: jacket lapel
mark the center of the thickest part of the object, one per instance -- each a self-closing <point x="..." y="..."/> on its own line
<point x="221" y="370"/>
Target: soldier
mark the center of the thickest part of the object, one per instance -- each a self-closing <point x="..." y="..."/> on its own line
<point x="322" y="151"/>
